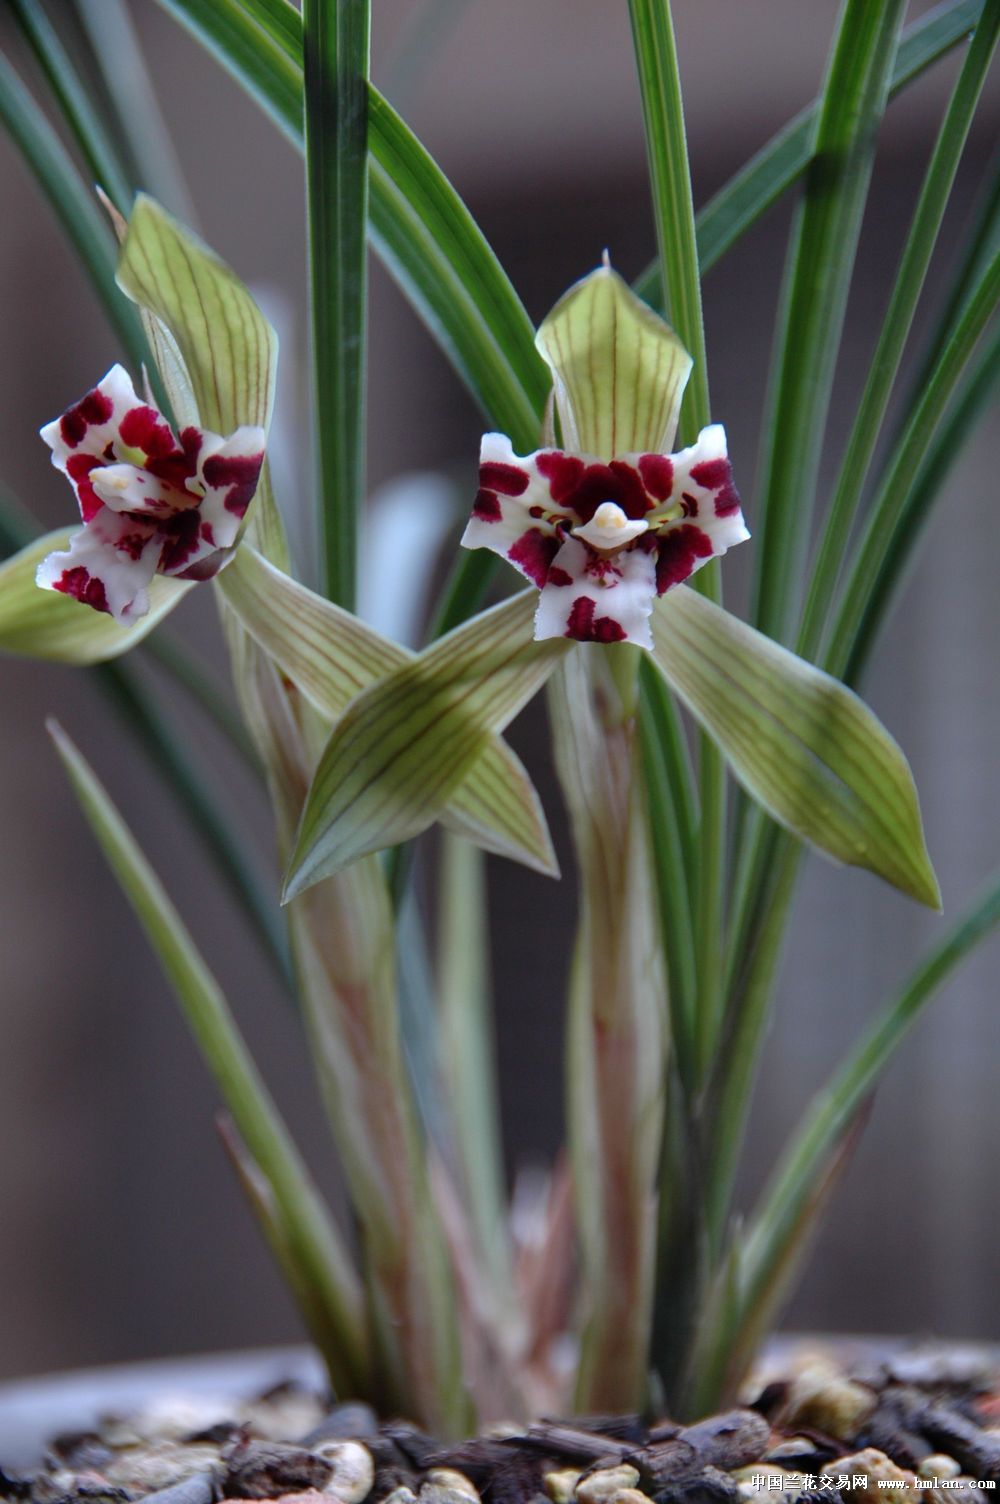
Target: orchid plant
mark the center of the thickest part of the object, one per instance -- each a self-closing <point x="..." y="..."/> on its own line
<point x="641" y="1286"/>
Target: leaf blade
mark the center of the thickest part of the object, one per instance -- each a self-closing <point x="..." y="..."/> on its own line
<point x="316" y="1239"/>
<point x="814" y="299"/>
<point x="336" y="62"/>
<point x="770" y="172"/>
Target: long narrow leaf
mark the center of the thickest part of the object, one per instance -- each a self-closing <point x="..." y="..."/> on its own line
<point x="671" y="801"/>
<point x="74" y="206"/>
<point x="332" y="656"/>
<point x="979" y="389"/>
<point x="670" y="177"/>
<point x="336" y="37"/>
<point x="769" y="174"/>
<point x="99" y="151"/>
<point x="402" y="747"/>
<point x="673" y="206"/>
<point x="886" y="515"/>
<point x="468" y="1064"/>
<point x="141" y="133"/>
<point x="907" y="286"/>
<point x="814" y="298"/>
<point x="805" y="747"/>
<point x="419" y="225"/>
<point x="318" y="1247"/>
<point x="836" y="1106"/>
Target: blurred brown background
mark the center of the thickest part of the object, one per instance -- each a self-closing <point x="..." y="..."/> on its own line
<point x="121" y="1233"/>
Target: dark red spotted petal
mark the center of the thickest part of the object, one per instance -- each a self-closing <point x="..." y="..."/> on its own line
<point x="562" y="471"/>
<point x="631" y="495"/>
<point x="509" y="480"/>
<point x="727" y="501"/>
<point x="678" y="553"/>
<point x="533" y="552"/>
<point x="584" y="626"/>
<point x="487" y="507"/>
<point x="181" y="534"/>
<point x="83" y="586"/>
<point x="78" y="468"/>
<point x="657" y="471"/>
<point x="557" y="576"/>
<point x="712" y="473"/>
<point x="94" y="409"/>
<point x="240" y="472"/>
<point x="143" y="428"/>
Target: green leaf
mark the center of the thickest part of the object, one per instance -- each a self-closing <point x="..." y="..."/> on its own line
<point x="670" y="178"/>
<point x="72" y="203"/>
<point x="834" y="1109"/>
<point x="468" y="1055"/>
<point x="37" y="623"/>
<point x="228" y="348"/>
<point x="814" y="298"/>
<point x="618" y="370"/>
<point x="884" y="532"/>
<point x="332" y="657"/>
<point x="977" y="392"/>
<point x="99" y="151"/>
<point x="874" y="400"/>
<point x="325" y="1266"/>
<point x="403" y="746"/>
<point x="801" y="744"/>
<point x="336" y="36"/>
<point x="136" y="122"/>
<point x="672" y="811"/>
<point x="770" y="172"/>
<point x="419" y="225"/>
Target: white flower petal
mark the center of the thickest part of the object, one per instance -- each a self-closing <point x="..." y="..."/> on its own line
<point x="703" y="484"/>
<point x="108" y="565"/>
<point x="597" y="598"/>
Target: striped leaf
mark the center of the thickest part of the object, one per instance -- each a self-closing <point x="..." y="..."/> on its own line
<point x="310" y="1237"/>
<point x="332" y="657"/>
<point x="801" y="744"/>
<point x="401" y="749"/>
<point x="44" y="624"/>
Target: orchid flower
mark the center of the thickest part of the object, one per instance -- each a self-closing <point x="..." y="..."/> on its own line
<point x="151" y="502"/>
<point x="613" y="520"/>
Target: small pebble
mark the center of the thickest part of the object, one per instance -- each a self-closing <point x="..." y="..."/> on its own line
<point x="939" y="1465"/>
<point x="820" y="1397"/>
<point x="439" y="1493"/>
<point x="600" y="1487"/>
<point x="875" y="1468"/>
<point x="353" y="1470"/>
<point x="401" y="1495"/>
<point x="561" y="1485"/>
<point x="449" y="1477"/>
<point x="146" y="1470"/>
<point x="630" y="1496"/>
<point x="778" y="1485"/>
